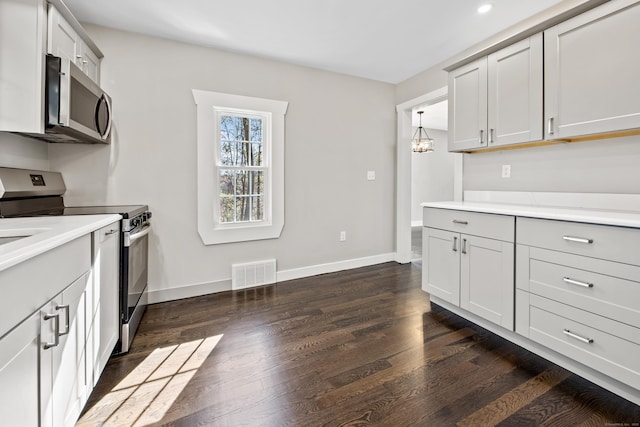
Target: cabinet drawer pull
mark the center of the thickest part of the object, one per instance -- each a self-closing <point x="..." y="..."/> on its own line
<point x="66" y="322"/>
<point x="456" y="221"/>
<point x="550" y="126"/>
<point x="481" y="141"/>
<point x="577" y="239"/>
<point x="56" y="336"/>
<point x="110" y="232"/>
<point x="464" y="246"/>
<point x="577" y="282"/>
<point x="578" y="337"/>
<point x="455" y="244"/>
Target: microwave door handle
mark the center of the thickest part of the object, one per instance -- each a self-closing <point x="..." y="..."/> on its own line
<point x="65" y="92"/>
<point x="103" y="100"/>
<point x="108" y="105"/>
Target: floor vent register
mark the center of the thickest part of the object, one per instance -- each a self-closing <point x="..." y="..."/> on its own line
<point x="252" y="274"/>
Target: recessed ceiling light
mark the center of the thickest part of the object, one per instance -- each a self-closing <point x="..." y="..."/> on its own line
<point x="485" y="8"/>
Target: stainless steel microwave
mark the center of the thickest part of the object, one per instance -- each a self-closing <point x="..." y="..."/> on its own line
<point x="76" y="109"/>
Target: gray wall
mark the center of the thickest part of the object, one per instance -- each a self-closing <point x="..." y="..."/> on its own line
<point x="337" y="128"/>
<point x="427" y="81"/>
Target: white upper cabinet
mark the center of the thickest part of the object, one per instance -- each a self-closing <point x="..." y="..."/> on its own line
<point x="497" y="100"/>
<point x="515" y="93"/>
<point x="64" y="41"/>
<point x="591" y="72"/>
<point x="22" y="50"/>
<point x="468" y="106"/>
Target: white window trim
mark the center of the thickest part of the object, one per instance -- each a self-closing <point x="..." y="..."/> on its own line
<point x="210" y="232"/>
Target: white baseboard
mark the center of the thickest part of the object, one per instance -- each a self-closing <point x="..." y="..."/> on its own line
<point x="314" y="270"/>
<point x="188" y="291"/>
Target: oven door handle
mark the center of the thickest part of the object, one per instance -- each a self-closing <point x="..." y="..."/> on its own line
<point x="130" y="238"/>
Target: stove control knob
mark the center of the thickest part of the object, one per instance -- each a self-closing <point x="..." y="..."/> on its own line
<point x="135" y="222"/>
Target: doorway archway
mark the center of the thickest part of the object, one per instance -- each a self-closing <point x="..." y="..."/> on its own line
<point x="403" y="171"/>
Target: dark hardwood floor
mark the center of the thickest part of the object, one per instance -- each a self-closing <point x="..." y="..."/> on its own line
<point x="354" y="348"/>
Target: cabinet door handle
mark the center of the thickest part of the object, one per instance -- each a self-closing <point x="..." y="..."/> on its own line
<point x="490" y="136"/>
<point x="550" y="126"/>
<point x="457" y="221"/>
<point x="110" y="232"/>
<point x="66" y="314"/>
<point x="577" y="239"/>
<point x="481" y="141"/>
<point x="56" y="336"/>
<point x="464" y="246"/>
<point x="578" y="337"/>
<point x="455" y="244"/>
<point x="577" y="282"/>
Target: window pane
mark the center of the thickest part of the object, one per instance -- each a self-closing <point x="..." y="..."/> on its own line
<point x="257" y="208"/>
<point x="226" y="209"/>
<point x="226" y="182"/>
<point x="243" y="154"/>
<point x="257" y="183"/>
<point x="243" y="209"/>
<point x="256" y="154"/>
<point x="242" y="183"/>
<point x="256" y="129"/>
<point x="228" y="128"/>
<point x="227" y="152"/>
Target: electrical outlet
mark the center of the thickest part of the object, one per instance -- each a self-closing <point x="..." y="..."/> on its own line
<point x="371" y="175"/>
<point x="506" y="171"/>
<point x="343" y="236"/>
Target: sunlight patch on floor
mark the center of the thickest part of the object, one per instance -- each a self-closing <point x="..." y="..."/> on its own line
<point x="145" y="395"/>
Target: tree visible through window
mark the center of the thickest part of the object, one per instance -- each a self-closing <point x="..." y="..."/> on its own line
<point x="241" y="168"/>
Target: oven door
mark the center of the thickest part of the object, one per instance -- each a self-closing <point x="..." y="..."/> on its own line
<point x="136" y="247"/>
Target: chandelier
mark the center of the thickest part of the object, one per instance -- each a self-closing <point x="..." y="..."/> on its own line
<point x="421" y="142"/>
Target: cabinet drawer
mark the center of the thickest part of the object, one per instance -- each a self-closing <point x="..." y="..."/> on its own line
<point x="613" y="349"/>
<point x="602" y="287"/>
<point x="598" y="241"/>
<point x="492" y="226"/>
<point x="35" y="281"/>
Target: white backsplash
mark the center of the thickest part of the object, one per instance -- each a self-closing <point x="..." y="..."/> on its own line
<point x="605" y="201"/>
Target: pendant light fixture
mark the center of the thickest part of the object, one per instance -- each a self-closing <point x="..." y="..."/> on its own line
<point x="421" y="142"/>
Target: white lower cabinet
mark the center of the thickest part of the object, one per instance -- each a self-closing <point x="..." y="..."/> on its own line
<point x="103" y="317"/>
<point x="577" y="291"/>
<point x="577" y="286"/>
<point x="474" y="272"/>
<point x="64" y="384"/>
<point x="19" y="366"/>
<point x="58" y="330"/>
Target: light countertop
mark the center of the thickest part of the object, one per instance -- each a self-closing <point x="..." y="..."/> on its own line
<point x="592" y="216"/>
<point x="43" y="234"/>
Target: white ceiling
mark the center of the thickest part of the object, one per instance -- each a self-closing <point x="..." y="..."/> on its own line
<point x="381" y="40"/>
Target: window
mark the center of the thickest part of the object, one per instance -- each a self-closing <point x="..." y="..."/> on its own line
<point x="241" y="169"/>
<point x="240" y="144"/>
